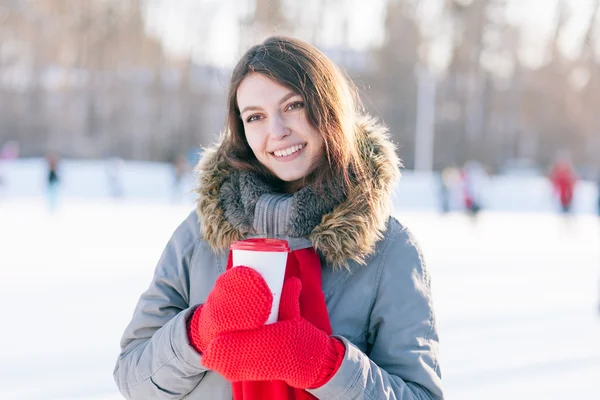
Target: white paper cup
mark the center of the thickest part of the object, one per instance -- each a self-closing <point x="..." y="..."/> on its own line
<point x="268" y="257"/>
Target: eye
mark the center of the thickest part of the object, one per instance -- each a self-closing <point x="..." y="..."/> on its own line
<point x="253" y="118"/>
<point x="295" y="105"/>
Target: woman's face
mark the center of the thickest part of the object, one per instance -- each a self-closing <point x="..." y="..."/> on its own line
<point x="277" y="128"/>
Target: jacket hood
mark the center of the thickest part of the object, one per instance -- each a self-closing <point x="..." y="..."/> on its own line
<point x="348" y="232"/>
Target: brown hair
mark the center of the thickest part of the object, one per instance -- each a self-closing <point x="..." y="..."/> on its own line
<point x="330" y="99"/>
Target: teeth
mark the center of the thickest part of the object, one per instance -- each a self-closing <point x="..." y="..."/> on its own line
<point x="288" y="151"/>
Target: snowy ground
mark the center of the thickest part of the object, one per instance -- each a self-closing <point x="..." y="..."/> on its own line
<point x="516" y="296"/>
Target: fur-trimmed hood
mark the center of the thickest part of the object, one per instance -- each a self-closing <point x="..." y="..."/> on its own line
<point x="348" y="232"/>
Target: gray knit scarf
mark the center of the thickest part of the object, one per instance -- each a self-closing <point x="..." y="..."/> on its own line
<point x="252" y="205"/>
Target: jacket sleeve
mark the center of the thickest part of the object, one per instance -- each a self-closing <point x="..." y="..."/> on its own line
<point x="403" y="342"/>
<point x="156" y="360"/>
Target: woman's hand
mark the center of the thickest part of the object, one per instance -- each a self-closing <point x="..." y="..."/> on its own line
<point x="292" y="350"/>
<point x="240" y="300"/>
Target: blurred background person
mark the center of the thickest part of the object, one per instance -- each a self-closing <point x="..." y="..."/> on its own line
<point x="598" y="193"/>
<point x="444" y="194"/>
<point x="114" y="175"/>
<point x="473" y="177"/>
<point x="9" y="152"/>
<point x="563" y="178"/>
<point x="52" y="180"/>
<point x="180" y="168"/>
<point x="450" y="179"/>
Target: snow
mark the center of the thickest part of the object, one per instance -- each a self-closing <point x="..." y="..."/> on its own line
<point x="516" y="293"/>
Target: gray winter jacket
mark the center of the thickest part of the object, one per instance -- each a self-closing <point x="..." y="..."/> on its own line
<point x="376" y="286"/>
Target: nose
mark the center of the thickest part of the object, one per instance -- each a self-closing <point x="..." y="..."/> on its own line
<point x="277" y="129"/>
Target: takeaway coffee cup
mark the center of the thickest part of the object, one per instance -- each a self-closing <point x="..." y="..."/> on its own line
<point x="268" y="257"/>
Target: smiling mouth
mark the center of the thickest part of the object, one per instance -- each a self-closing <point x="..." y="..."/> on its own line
<point x="289" y="151"/>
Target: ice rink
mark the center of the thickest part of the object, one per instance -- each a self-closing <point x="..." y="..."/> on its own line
<point x="516" y="297"/>
<point x="516" y="292"/>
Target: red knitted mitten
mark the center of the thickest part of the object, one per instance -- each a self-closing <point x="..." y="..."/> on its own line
<point x="292" y="350"/>
<point x="239" y="300"/>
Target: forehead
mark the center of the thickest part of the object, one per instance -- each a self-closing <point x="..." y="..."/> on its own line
<point x="256" y="89"/>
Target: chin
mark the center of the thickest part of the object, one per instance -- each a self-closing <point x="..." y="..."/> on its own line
<point x="290" y="177"/>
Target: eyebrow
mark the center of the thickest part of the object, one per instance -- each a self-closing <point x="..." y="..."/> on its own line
<point x="283" y="100"/>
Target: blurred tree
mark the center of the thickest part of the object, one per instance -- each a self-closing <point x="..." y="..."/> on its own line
<point x="97" y="84"/>
<point x="585" y="77"/>
<point x="392" y="90"/>
<point x="87" y="77"/>
<point x="266" y="19"/>
<point x="545" y="116"/>
<point x="468" y="85"/>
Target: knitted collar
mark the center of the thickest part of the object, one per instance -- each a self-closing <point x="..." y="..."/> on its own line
<point x="241" y="192"/>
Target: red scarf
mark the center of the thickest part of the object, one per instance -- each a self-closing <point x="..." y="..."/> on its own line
<point x="305" y="265"/>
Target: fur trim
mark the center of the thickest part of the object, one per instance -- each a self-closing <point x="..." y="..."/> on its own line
<point x="214" y="228"/>
<point x="349" y="232"/>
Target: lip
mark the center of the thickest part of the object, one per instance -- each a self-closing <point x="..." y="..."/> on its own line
<point x="291" y="157"/>
<point x="287" y="147"/>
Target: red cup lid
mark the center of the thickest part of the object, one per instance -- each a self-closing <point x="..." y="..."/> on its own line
<point x="258" y="244"/>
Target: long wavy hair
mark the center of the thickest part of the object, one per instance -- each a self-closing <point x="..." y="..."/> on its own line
<point x="330" y="99"/>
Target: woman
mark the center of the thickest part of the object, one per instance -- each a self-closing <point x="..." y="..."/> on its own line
<point x="297" y="162"/>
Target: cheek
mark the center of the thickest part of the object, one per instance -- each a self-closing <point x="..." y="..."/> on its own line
<point x="254" y="141"/>
<point x="317" y="140"/>
<point x="302" y="124"/>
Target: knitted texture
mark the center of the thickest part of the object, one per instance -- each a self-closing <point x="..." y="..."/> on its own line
<point x="240" y="300"/>
<point x="292" y="350"/>
<point x="333" y="361"/>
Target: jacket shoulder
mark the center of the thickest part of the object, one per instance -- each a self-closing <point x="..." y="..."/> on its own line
<point x="187" y="233"/>
<point x="402" y="257"/>
<point x="182" y="243"/>
<point x="398" y="236"/>
<point x="189" y="229"/>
